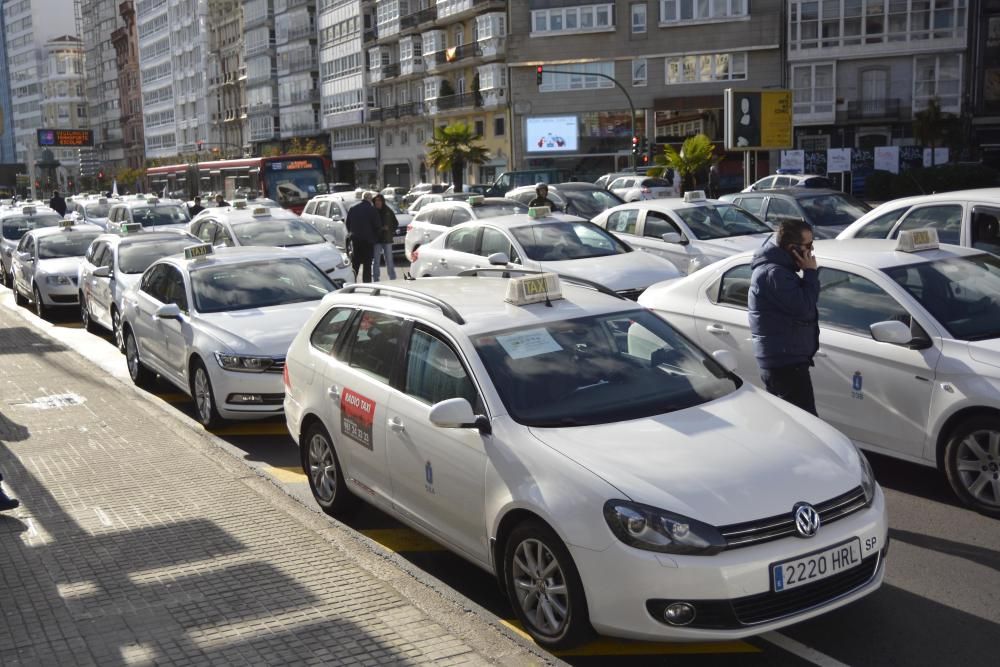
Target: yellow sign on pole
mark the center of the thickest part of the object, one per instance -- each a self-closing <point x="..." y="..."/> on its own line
<point x="776" y="119"/>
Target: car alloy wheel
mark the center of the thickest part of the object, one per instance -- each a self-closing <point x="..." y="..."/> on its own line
<point x="116" y="329"/>
<point x="40" y="308"/>
<point x="322" y="467"/>
<point x="88" y="323"/>
<point x="541" y="587"/>
<point x="140" y="375"/>
<point x="203" y="399"/>
<point x="972" y="464"/>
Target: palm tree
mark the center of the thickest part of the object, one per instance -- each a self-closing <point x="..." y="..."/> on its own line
<point x="453" y="147"/>
<point x="697" y="153"/>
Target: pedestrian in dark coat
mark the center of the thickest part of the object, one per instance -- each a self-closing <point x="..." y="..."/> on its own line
<point x="363" y="224"/>
<point x="386" y="234"/>
<point x="58" y="204"/>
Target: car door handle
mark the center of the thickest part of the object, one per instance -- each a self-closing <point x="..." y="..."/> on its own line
<point x="333" y="392"/>
<point x="396" y="424"/>
<point x="716" y="329"/>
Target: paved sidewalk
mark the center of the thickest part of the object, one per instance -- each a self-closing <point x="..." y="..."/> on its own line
<point x="140" y="541"/>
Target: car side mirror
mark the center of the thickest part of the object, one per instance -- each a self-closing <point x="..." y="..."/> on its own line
<point x="726" y="359"/>
<point x="25" y="257"/>
<point x="336" y="217"/>
<point x="168" y="311"/>
<point x="674" y="237"/>
<point x="457" y="413"/>
<point x="499" y="259"/>
<point x="891" y="331"/>
<point x="101" y="272"/>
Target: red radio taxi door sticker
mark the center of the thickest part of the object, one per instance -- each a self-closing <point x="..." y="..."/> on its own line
<point x="356" y="416"/>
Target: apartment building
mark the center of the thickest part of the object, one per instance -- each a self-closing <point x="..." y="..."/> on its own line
<point x="7" y="152"/>
<point x="262" y="124"/>
<point x="227" y="76"/>
<point x="173" y="62"/>
<point x="345" y="95"/>
<point x="674" y="58"/>
<point x="64" y="103"/>
<point x="860" y="69"/>
<point x="125" y="41"/>
<point x="295" y="36"/>
<point x="99" y="20"/>
<point x="983" y="70"/>
<point x="433" y="63"/>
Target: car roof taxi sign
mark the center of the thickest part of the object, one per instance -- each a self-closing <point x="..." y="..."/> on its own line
<point x="539" y="212"/>
<point x="259" y="211"/>
<point x="694" y="195"/>
<point x="28" y="210"/>
<point x="66" y="224"/>
<point x="200" y="250"/>
<point x="129" y="228"/>
<point x="525" y="290"/>
<point x="915" y="240"/>
<point x="240" y="204"/>
<point x="476" y="200"/>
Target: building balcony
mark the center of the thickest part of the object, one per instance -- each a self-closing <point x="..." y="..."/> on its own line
<point x="310" y="96"/>
<point x="384" y="72"/>
<point x="301" y="32"/>
<point x="454" y="102"/>
<point x="292" y="4"/>
<point x="875" y="109"/>
<point x="370" y="35"/>
<point x="493" y="47"/>
<point x="256" y="79"/>
<point x="455" y="54"/>
<point x="412" y="66"/>
<point x="263" y="109"/>
<point x="419" y="18"/>
<point x="299" y="130"/>
<point x="266" y="19"/>
<point x="286" y="67"/>
<point x="397" y="111"/>
<point x="257" y="49"/>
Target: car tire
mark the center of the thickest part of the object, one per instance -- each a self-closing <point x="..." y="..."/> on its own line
<point x="349" y="248"/>
<point x="88" y="324"/>
<point x="547" y="596"/>
<point x="972" y="464"/>
<point x="203" y="395"/>
<point x="40" y="309"/>
<point x="8" y="278"/>
<point x="322" y="467"/>
<point x="116" y="330"/>
<point x="141" y="376"/>
<point x="18" y="297"/>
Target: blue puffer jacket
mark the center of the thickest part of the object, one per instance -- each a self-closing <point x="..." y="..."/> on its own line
<point x="783" y="317"/>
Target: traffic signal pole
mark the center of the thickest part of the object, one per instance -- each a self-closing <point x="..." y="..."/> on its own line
<point x="541" y="69"/>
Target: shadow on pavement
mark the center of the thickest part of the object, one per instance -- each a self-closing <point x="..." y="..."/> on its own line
<point x="969" y="552"/>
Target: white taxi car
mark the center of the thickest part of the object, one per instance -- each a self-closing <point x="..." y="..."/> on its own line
<point x="640" y="187"/>
<point x="44" y="266"/>
<point x="113" y="265"/>
<point x="436" y="218"/>
<point x="217" y="324"/>
<point x="150" y="212"/>
<point x="909" y="357"/>
<point x="90" y="210"/>
<point x="15" y="222"/>
<point x="543" y="241"/>
<point x="609" y="472"/>
<point x="692" y="232"/>
<point x="274" y="227"/>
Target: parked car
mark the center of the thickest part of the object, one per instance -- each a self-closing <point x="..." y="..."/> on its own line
<point x="779" y="181"/>
<point x="606" y="180"/>
<point x="437" y="217"/>
<point x="431" y="197"/>
<point x="635" y="188"/>
<point x="46" y="262"/>
<point x="583" y="199"/>
<point x="422" y="189"/>
<point x="16" y="221"/>
<point x="828" y="211"/>
<point x="394" y="193"/>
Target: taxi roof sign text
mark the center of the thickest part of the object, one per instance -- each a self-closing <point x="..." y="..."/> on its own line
<point x="533" y="289"/>
<point x="196" y="251"/>
<point x="915" y="240"/>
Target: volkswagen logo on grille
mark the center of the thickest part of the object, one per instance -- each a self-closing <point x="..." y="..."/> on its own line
<point x="806" y="519"/>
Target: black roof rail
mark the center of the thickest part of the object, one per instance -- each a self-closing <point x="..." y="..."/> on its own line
<point x="413" y="295"/>
<point x="582" y="282"/>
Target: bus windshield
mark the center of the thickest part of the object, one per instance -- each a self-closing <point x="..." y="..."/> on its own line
<point x="293" y="182"/>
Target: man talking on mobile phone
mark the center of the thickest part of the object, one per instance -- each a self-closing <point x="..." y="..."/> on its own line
<point x="783" y="315"/>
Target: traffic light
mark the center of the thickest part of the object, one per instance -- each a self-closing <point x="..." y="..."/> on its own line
<point x="100" y="175"/>
<point x="635" y="145"/>
<point x="538" y="75"/>
<point x="200" y="144"/>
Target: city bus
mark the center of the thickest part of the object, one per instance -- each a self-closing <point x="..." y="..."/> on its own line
<point x="290" y="180"/>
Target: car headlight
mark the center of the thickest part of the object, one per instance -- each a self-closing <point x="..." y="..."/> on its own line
<point x="867" y="478"/>
<point x="243" y="363"/>
<point x="652" y="529"/>
<point x="344" y="262"/>
<point x="58" y="280"/>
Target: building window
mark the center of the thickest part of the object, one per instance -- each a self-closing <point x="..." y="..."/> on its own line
<point x="639" y="72"/>
<point x="813" y="90"/>
<point x="563" y="20"/>
<point x="404" y="137"/>
<point x="499" y="126"/>
<point x="814" y="24"/>
<point x="388" y="138"/>
<point x="706" y="67"/>
<point x="577" y="79"/>
<point x="679" y="11"/>
<point x="816" y="142"/>
<point x="638" y="18"/>
<point x="938" y="76"/>
<point x="480" y="128"/>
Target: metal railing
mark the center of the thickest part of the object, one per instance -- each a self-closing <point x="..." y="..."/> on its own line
<point x="455" y="54"/>
<point x="417" y="18"/>
<point x="873" y="108"/>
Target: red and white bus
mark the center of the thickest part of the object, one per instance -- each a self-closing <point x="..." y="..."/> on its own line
<point x="290" y="180"/>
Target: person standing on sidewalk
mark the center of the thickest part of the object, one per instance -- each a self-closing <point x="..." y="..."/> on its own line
<point x="784" y="321"/>
<point x="386" y="233"/>
<point x="363" y="223"/>
<point x="6" y="502"/>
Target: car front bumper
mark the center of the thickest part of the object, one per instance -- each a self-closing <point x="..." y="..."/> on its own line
<point x="58" y="295"/>
<point x="264" y="392"/>
<point x="730" y="591"/>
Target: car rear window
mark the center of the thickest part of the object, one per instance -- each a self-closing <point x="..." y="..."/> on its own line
<point x="655" y="183"/>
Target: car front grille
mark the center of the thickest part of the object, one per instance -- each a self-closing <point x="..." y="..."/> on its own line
<point x="63" y="298"/>
<point x="632" y="294"/>
<point x="783" y="525"/>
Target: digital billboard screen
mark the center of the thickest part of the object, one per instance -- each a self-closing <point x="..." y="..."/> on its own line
<point x="64" y="138"/>
<point x="552" y="134"/>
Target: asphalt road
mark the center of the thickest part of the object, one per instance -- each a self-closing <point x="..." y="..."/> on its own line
<point x="940" y="604"/>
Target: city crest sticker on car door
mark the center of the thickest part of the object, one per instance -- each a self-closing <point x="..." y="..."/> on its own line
<point x="357" y="414"/>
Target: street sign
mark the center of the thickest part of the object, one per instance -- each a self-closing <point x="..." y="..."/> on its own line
<point x="758" y="120"/>
<point x="72" y="138"/>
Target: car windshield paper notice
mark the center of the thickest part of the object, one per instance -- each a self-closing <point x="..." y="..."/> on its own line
<point x="356" y="416"/>
<point x="528" y="343"/>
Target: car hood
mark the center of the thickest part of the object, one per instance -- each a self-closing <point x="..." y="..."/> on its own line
<point x="739" y="458"/>
<point x="261" y="331"/>
<point x="734" y="244"/>
<point x="324" y="255"/>
<point x="986" y="351"/>
<point x="828" y="231"/>
<point x="631" y="270"/>
<point x="65" y="266"/>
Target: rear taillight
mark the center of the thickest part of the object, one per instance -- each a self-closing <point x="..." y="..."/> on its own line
<point x="646" y="191"/>
<point x="409" y="228"/>
<point x="414" y="255"/>
<point x="284" y="376"/>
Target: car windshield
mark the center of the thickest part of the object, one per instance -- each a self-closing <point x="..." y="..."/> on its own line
<point x="558" y="241"/>
<point x="281" y="233"/>
<point x="718" y="222"/>
<point x="655" y="183"/>
<point x="589" y="203"/>
<point x="218" y="289"/>
<point x="832" y="209"/>
<point x="599" y="369"/>
<point x="68" y="244"/>
<point x="136" y="257"/>
<point x="393" y="206"/>
<point x="168" y="214"/>
<point x="97" y="210"/>
<point x="960" y="292"/>
<point x="16" y="226"/>
<point x="496" y="210"/>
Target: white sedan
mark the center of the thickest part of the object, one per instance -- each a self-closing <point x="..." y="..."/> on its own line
<point x="217" y="325"/>
<point x="45" y="264"/>
<point x="638" y="188"/>
<point x="557" y="242"/>
<point x="909" y="358"/>
<point x="612" y="475"/>
<point x="276" y="228"/>
<point x="692" y="232"/>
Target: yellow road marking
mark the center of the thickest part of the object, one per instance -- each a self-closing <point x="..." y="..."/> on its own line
<point x="614" y="647"/>
<point x="259" y="428"/>
<point x="173" y="398"/>
<point x="70" y="325"/>
<point x="286" y="474"/>
<point x="402" y="539"/>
